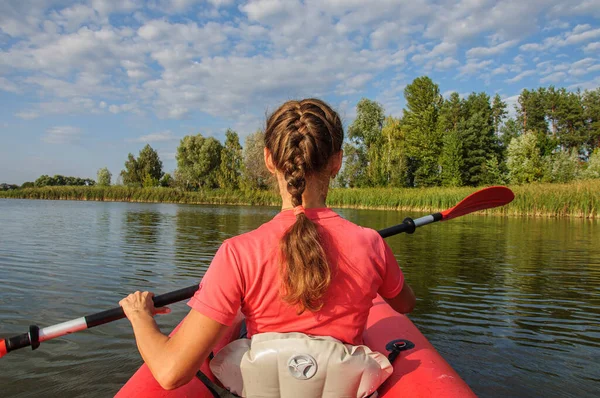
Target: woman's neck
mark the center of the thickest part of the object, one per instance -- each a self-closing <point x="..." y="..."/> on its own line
<point x="314" y="196"/>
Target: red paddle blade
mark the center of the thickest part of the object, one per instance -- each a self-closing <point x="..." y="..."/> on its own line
<point x="2" y="348"/>
<point x="485" y="198"/>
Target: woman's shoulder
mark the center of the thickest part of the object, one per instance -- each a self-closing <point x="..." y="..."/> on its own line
<point x="257" y="236"/>
<point x="351" y="231"/>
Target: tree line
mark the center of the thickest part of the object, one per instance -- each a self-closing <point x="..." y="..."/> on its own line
<point x="553" y="137"/>
<point x="454" y="141"/>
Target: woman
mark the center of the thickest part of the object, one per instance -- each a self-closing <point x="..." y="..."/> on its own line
<point x="307" y="270"/>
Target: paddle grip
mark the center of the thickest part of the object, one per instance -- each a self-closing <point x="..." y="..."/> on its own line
<point x="16" y="342"/>
<point x="117" y="313"/>
<point x="396" y="229"/>
<point x="175" y="296"/>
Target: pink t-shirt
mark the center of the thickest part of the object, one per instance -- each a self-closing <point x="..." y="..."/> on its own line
<point x="245" y="274"/>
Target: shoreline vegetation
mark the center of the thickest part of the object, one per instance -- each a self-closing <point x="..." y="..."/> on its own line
<point x="579" y="199"/>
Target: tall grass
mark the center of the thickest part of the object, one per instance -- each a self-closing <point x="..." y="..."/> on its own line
<point x="578" y="199"/>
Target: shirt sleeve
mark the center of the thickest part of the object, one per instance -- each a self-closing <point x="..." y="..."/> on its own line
<point x="393" y="278"/>
<point x="220" y="294"/>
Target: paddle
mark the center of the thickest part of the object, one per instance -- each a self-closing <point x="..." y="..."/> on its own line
<point x="485" y="198"/>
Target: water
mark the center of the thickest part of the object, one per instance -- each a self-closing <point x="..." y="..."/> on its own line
<point x="513" y="304"/>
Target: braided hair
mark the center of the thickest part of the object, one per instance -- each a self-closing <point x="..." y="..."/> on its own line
<point x="302" y="136"/>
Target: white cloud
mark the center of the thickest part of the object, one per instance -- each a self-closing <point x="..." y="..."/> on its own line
<point x="554" y="78"/>
<point x="27" y="115"/>
<point x="583" y="67"/>
<point x="481" y="52"/>
<point x="592" y="47"/>
<point x="7" y="85"/>
<point x="500" y="70"/>
<point x="156" y="137"/>
<point x="520" y="76"/>
<point x="579" y="34"/>
<point x="472" y="66"/>
<point x="441" y="49"/>
<point x="62" y="135"/>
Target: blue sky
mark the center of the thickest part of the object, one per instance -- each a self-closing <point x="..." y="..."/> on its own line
<point x="84" y="83"/>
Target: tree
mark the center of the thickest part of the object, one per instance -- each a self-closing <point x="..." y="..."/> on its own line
<point x="146" y="170"/>
<point x="451" y="118"/>
<point x="419" y="123"/>
<point x="363" y="154"/>
<point x="59" y="180"/>
<point x="104" y="177"/>
<point x="150" y="166"/>
<point x="561" y="167"/>
<point x="570" y="122"/>
<point x="166" y="181"/>
<point x="393" y="153"/>
<point x="523" y="159"/>
<point x="531" y="111"/>
<point x="591" y="114"/>
<point x="492" y="172"/>
<point x="27" y="184"/>
<point x="478" y="137"/>
<point x="198" y="161"/>
<point x="498" y="113"/>
<point x="451" y="160"/>
<point x="593" y="166"/>
<point x="231" y="161"/>
<point x="511" y="129"/>
<point x="354" y="173"/>
<point x="255" y="174"/>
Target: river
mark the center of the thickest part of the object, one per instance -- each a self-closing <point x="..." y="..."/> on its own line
<point x="513" y="304"/>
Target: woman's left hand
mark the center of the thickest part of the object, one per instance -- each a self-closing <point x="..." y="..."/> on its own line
<point x="140" y="303"/>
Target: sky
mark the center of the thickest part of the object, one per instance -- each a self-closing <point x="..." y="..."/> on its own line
<point x="82" y="84"/>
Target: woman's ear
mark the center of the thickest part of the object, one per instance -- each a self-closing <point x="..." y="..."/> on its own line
<point x="269" y="161"/>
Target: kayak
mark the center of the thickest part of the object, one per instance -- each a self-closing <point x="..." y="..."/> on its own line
<point x="419" y="370"/>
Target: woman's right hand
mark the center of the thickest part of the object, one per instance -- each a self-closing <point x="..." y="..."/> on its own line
<point x="140" y="304"/>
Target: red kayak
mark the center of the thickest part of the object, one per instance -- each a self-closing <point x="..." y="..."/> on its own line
<point x="419" y="370"/>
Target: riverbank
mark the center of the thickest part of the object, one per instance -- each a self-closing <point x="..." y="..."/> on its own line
<point x="579" y="199"/>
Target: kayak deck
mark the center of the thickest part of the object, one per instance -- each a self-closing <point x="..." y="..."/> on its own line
<point x="418" y="372"/>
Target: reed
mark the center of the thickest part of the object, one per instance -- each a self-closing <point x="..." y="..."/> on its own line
<point x="578" y="199"/>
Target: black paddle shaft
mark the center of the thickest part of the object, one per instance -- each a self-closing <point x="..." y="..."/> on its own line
<point x="162" y="300"/>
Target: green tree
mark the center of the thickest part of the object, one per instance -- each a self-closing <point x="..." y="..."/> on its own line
<point x="451" y="160"/>
<point x="511" y="129"/>
<point x="419" y="123"/>
<point x="593" y="166"/>
<point x="450" y="120"/>
<point x="499" y="112"/>
<point x="532" y="111"/>
<point x="523" y="160"/>
<point x="393" y="160"/>
<point x="27" y="184"/>
<point x="146" y="170"/>
<point x="570" y="122"/>
<point x="364" y="150"/>
<point x="167" y="181"/>
<point x="198" y="161"/>
<point x="59" y="180"/>
<point x="255" y="174"/>
<point x="591" y="113"/>
<point x="492" y="172"/>
<point x="532" y="117"/>
<point x="231" y="161"/>
<point x="478" y="137"/>
<point x="561" y="167"/>
<point x="104" y="177"/>
<point x="353" y="175"/>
